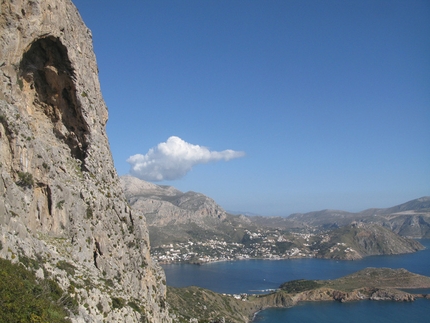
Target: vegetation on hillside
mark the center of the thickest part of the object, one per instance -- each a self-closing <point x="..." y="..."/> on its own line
<point x="379" y="277"/>
<point x="207" y="306"/>
<point x="24" y="298"/>
<point x="299" y="285"/>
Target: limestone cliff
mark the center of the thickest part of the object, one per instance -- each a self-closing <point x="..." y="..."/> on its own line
<point x="60" y="198"/>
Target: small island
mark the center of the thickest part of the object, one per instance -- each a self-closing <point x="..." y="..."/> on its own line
<point x="195" y="304"/>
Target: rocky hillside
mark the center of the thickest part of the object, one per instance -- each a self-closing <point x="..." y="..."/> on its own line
<point x="62" y="207"/>
<point x="361" y="240"/>
<point x="174" y="216"/>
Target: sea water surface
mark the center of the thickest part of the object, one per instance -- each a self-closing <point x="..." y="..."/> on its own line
<point x="259" y="276"/>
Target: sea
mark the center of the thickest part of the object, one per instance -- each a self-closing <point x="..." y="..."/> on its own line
<point x="259" y="276"/>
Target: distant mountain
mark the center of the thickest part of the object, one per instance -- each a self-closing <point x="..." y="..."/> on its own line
<point x="176" y="207"/>
<point x="277" y="222"/>
<point x="136" y="187"/>
<point x="420" y="205"/>
<point x="410" y="219"/>
<point x="242" y="213"/>
<point x="324" y="218"/>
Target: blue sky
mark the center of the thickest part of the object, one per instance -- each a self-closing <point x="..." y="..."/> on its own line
<point x="274" y="107"/>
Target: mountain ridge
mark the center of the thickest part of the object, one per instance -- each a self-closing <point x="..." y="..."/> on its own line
<point x="410" y="219"/>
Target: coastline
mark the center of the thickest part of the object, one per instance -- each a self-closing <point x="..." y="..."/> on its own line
<point x="424" y="246"/>
<point x="201" y="263"/>
<point x="370" y="284"/>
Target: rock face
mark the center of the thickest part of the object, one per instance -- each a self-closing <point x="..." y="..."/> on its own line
<point x="391" y="294"/>
<point x="60" y="198"/>
<point x="325" y="294"/>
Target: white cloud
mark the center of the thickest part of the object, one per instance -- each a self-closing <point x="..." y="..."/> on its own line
<point x="174" y="158"/>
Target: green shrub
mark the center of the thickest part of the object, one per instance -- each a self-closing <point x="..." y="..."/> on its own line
<point x="25" y="179"/>
<point x="118" y="302"/>
<point x="23" y="298"/>
<point x="60" y="204"/>
<point x="30" y="263"/>
<point x="134" y="306"/>
<point x="20" y="83"/>
<point x="100" y="307"/>
<point x="109" y="282"/>
<point x="299" y="285"/>
<point x="67" y="267"/>
<point x="89" y="213"/>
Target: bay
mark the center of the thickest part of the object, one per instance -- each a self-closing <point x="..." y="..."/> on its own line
<point x="259" y="276"/>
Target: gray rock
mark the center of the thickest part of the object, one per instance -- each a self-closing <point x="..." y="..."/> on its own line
<point x="61" y="202"/>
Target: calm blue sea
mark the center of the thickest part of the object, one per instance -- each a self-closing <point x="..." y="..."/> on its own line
<point x="258" y="276"/>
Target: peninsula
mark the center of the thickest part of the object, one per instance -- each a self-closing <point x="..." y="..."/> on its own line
<point x="196" y="304"/>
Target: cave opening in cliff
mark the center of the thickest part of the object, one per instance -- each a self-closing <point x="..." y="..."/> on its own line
<point x="46" y="69"/>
